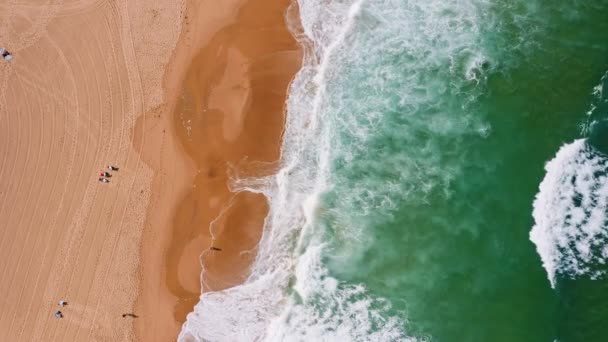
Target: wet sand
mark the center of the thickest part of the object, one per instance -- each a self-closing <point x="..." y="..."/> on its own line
<point x="229" y="76"/>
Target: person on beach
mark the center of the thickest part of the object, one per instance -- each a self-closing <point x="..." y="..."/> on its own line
<point x="58" y="314"/>
<point x="5" y="54"/>
<point x="104" y="180"/>
<point x="113" y="168"/>
<point x="215" y="249"/>
<point x="63" y="303"/>
<point x="105" y="174"/>
<point x="129" y="315"/>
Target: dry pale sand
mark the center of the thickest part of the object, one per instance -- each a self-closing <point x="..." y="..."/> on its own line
<point x="83" y="72"/>
<point x="229" y="77"/>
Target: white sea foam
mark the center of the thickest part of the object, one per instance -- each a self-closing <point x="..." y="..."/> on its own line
<point x="570" y="230"/>
<point x="326" y="310"/>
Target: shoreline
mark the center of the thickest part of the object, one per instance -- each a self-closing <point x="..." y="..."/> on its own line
<point x="223" y="108"/>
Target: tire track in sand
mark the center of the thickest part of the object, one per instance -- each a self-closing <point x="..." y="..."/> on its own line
<point x="45" y="168"/>
<point x="97" y="223"/>
<point x="70" y="138"/>
<point x="9" y="268"/>
<point x="76" y="227"/>
<point x="134" y="109"/>
<point x="49" y="247"/>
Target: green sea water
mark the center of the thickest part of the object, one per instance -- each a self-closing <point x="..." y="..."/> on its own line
<point x="443" y="116"/>
<point x="414" y="174"/>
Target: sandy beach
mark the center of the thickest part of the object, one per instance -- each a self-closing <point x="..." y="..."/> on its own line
<point x="179" y="95"/>
<point x="228" y="117"/>
<point x="82" y="73"/>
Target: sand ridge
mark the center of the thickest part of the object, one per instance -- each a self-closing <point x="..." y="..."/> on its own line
<point x="83" y="72"/>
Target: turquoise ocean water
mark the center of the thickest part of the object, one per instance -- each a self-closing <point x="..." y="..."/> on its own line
<point x="413" y="202"/>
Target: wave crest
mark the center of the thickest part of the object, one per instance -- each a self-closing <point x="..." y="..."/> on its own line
<point x="570" y="231"/>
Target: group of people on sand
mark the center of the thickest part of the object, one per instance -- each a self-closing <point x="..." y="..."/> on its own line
<point x="63" y="303"/>
<point x="59" y="314"/>
<point x="5" y="54"/>
<point x="104" y="177"/>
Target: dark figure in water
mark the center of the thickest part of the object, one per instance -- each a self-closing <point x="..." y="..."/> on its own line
<point x="215" y="249"/>
<point x="113" y="168"/>
<point x="129" y="315"/>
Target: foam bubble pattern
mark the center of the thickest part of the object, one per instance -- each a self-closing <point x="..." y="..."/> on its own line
<point x="570" y="231"/>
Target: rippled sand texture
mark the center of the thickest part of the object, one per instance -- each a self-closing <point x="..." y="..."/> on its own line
<point x="82" y="73"/>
